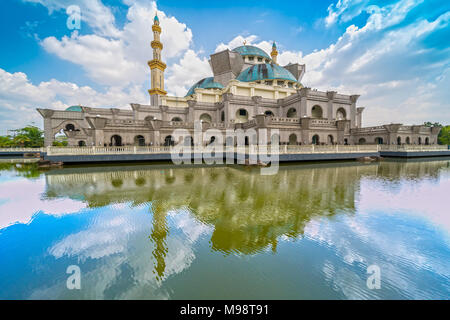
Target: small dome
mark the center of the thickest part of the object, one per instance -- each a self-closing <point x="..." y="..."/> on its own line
<point x="265" y="71"/>
<point x="251" y="51"/>
<point x="74" y="108"/>
<point x="207" y="83"/>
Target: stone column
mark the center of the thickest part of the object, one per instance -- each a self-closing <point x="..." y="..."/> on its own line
<point x="49" y="137"/>
<point x="331" y="95"/>
<point x="164" y="112"/>
<point x="191" y="112"/>
<point x="353" y="100"/>
<point x="359" y="112"/>
<point x="303" y="93"/>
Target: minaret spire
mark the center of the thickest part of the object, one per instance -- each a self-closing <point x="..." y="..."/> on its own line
<point x="274" y="53"/>
<point x="156" y="65"/>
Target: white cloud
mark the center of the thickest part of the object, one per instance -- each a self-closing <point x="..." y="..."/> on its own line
<point x="14" y="210"/>
<point x="121" y="59"/>
<point x="19" y="98"/>
<point x="399" y="79"/>
<point x="190" y="69"/>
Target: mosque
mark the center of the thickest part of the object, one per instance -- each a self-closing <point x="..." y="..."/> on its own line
<point x="248" y="89"/>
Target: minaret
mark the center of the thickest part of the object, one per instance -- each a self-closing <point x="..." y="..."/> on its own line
<point x="274" y="53"/>
<point x="157" y="66"/>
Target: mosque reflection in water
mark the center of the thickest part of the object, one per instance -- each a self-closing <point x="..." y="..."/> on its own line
<point x="247" y="211"/>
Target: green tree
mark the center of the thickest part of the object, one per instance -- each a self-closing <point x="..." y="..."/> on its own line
<point x="5" y="141"/>
<point x="444" y="136"/>
<point x="29" y="136"/>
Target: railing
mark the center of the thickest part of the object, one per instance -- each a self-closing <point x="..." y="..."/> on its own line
<point x="413" y="148"/>
<point x="30" y="150"/>
<point x="283" y="149"/>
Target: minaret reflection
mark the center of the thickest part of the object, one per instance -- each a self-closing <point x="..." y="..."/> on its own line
<point x="158" y="236"/>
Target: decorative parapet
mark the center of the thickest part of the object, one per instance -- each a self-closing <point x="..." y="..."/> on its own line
<point x="366" y="130"/>
<point x="354" y="98"/>
<point x="46" y="113"/>
<point x="322" y="123"/>
<point x="97" y="122"/>
<point x="392" y="128"/>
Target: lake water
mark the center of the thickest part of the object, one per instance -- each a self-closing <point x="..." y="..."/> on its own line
<point x="164" y="232"/>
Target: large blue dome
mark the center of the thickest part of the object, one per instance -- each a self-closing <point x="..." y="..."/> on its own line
<point x="207" y="83"/>
<point x="265" y="71"/>
<point x="251" y="51"/>
<point x="74" y="108"/>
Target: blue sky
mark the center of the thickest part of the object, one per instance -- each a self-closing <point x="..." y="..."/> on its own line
<point x="395" y="53"/>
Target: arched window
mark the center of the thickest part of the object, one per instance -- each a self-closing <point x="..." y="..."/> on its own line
<point x="116" y="140"/>
<point x="269" y="113"/>
<point x="316" y="112"/>
<point x="292" y="113"/>
<point x="379" y="140"/>
<point x="427" y="141"/>
<point x="316" y="139"/>
<point x="177" y="119"/>
<point x="139" y="141"/>
<point x="241" y="116"/>
<point x="362" y="141"/>
<point x="188" y="141"/>
<point x="399" y="140"/>
<point x="420" y="140"/>
<point x="330" y="139"/>
<point x="70" y="127"/>
<point x="222" y="116"/>
<point x="293" y="139"/>
<point x="408" y="140"/>
<point x="81" y="143"/>
<point x="275" y="139"/>
<point x="169" y="142"/>
<point x="206" y="118"/>
<point x="341" y="114"/>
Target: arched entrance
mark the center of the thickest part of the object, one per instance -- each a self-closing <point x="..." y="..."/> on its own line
<point x="427" y="141"/>
<point x="81" y="143"/>
<point x="206" y="118"/>
<point x="316" y="140"/>
<point x="420" y="140"/>
<point x="241" y="116"/>
<point x="116" y="141"/>
<point x="139" y="141"/>
<point x="169" y="141"/>
<point x="316" y="112"/>
<point x="292" y="113"/>
<point x="362" y="141"/>
<point x="408" y="140"/>
<point x="379" y="140"/>
<point x="293" y="139"/>
<point x="269" y="113"/>
<point x="341" y="114"/>
<point x="188" y="141"/>
<point x="330" y="139"/>
<point x="399" y="140"/>
<point x="275" y="139"/>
